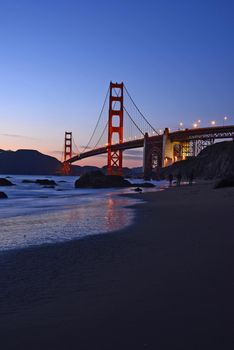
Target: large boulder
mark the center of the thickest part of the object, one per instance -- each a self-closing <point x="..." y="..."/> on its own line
<point x="96" y="179"/>
<point x="3" y="195"/>
<point x="5" y="182"/>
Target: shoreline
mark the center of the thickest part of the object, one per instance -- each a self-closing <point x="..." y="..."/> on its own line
<point x="164" y="282"/>
<point x="97" y="213"/>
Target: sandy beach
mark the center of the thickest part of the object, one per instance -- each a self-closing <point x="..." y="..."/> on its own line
<point x="166" y="282"/>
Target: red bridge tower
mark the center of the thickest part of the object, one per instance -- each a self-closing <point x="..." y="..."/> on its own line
<point x="115" y="126"/>
<point x="67" y="153"/>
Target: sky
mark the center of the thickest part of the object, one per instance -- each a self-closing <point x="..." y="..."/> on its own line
<point x="57" y="58"/>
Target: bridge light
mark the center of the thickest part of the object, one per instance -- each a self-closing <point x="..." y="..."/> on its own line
<point x="180" y="126"/>
<point x="195" y="125"/>
<point x="213" y="122"/>
<point x="225" y="119"/>
<point x="160" y="131"/>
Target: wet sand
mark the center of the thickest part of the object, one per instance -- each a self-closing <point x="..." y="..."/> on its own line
<point x="166" y="282"/>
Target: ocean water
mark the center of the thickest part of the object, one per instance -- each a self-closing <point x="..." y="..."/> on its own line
<point x="34" y="215"/>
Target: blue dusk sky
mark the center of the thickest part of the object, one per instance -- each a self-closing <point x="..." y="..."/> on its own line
<point x="57" y="58"/>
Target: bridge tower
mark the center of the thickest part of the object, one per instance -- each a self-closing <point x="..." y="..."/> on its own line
<point x="115" y="126"/>
<point x="66" y="169"/>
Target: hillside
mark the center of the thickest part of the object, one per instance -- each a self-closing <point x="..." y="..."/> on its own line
<point x="32" y="162"/>
<point x="29" y="162"/>
<point x="215" y="161"/>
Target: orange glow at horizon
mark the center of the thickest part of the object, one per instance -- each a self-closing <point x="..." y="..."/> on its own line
<point x="101" y="161"/>
<point x="48" y="148"/>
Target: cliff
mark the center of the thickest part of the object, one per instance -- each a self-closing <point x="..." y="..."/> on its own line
<point x="215" y="161"/>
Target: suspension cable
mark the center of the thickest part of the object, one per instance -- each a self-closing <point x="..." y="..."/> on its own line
<point x="98" y="122"/>
<point x="117" y="94"/>
<point x="133" y="121"/>
<point x="85" y="148"/>
<point x="140" y="111"/>
<point x="101" y="135"/>
<point x="73" y="140"/>
<point x="128" y="114"/>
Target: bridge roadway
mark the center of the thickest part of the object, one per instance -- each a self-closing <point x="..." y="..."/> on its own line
<point x="217" y="132"/>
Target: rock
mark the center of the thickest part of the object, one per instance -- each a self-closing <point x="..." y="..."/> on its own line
<point x="5" y="182"/>
<point x="96" y="179"/>
<point x="144" y="184"/>
<point x="46" y="182"/>
<point x="3" y="195"/>
<point x="228" y="182"/>
<point x="138" y="189"/>
<point x="28" y="181"/>
<point x="49" y="186"/>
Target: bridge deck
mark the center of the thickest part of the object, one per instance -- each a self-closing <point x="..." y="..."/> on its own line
<point x="218" y="132"/>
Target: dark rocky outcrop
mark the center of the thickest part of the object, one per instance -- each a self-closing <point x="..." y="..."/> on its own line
<point x="228" y="182"/>
<point x="213" y="162"/>
<point x="5" y="182"/>
<point x="46" y="182"/>
<point x="96" y="179"/>
<point x="138" y="189"/>
<point x="43" y="182"/>
<point x="3" y="195"/>
<point x="28" y="181"/>
<point x="144" y="184"/>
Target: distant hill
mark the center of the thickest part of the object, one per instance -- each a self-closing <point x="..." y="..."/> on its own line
<point x="126" y="171"/>
<point x="32" y="162"/>
<point x="215" y="161"/>
<point x="29" y="162"/>
<point x="79" y="170"/>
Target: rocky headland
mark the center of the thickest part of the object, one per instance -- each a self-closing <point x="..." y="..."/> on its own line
<point x="213" y="162"/>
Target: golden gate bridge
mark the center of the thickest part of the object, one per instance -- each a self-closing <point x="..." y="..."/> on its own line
<point x="127" y="128"/>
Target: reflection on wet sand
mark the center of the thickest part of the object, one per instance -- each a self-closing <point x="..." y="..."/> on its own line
<point x="98" y="215"/>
